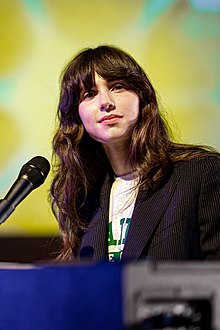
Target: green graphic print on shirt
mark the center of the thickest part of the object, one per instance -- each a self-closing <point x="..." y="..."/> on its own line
<point x="115" y="247"/>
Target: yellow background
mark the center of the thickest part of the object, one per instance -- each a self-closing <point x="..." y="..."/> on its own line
<point x="177" y="42"/>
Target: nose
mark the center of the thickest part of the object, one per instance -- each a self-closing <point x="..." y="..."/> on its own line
<point x="106" y="103"/>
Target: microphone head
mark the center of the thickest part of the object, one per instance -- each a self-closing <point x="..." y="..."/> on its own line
<point x="35" y="170"/>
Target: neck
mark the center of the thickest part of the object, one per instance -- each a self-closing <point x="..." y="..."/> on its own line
<point x="119" y="160"/>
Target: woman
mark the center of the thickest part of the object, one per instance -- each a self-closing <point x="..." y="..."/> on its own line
<point x="122" y="189"/>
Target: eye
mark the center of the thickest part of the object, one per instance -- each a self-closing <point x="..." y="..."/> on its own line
<point x="118" y="86"/>
<point x="88" y="95"/>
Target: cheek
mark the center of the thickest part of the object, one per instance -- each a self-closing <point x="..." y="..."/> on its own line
<point x="86" y="119"/>
<point x="135" y="109"/>
<point x="83" y="115"/>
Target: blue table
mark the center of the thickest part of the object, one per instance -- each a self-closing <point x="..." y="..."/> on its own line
<point x="61" y="297"/>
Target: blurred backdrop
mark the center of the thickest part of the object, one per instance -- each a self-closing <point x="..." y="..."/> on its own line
<point x="177" y="42"/>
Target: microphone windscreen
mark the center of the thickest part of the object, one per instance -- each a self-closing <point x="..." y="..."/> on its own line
<point x="35" y="170"/>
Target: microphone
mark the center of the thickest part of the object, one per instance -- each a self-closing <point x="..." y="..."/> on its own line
<point x="31" y="176"/>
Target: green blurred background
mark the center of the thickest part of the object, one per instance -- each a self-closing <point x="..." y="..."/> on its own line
<point x="177" y="42"/>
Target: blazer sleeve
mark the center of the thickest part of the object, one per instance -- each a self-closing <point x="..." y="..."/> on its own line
<point x="209" y="209"/>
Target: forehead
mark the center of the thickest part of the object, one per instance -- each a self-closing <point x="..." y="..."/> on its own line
<point x="97" y="80"/>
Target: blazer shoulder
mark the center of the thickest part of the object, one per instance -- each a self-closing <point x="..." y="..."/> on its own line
<point x="200" y="170"/>
<point x="202" y="164"/>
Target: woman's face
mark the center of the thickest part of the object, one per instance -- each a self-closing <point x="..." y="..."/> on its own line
<point x="109" y="111"/>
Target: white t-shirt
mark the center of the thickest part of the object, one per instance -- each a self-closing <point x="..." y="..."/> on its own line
<point x="122" y="200"/>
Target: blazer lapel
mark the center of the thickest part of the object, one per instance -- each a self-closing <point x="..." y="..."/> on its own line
<point x="94" y="241"/>
<point x="148" y="212"/>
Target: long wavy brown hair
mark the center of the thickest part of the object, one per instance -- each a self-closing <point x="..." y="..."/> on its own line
<point x="79" y="162"/>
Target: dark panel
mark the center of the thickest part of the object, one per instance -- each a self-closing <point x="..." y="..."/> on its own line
<point x="28" y="249"/>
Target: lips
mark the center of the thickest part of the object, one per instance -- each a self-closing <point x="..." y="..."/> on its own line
<point x="110" y="119"/>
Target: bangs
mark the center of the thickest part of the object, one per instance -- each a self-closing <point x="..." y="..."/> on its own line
<point x="110" y="63"/>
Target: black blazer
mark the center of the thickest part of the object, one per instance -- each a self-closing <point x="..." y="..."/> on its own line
<point x="180" y="221"/>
